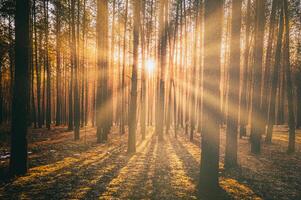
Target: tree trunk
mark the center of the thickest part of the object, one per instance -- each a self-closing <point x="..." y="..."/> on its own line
<point x="256" y="120"/>
<point x="133" y="100"/>
<point x="268" y="62"/>
<point x="243" y="117"/>
<point x="103" y="67"/>
<point x="58" y="63"/>
<point x="275" y="77"/>
<point x="211" y="113"/>
<point x="123" y="109"/>
<point x="75" y="62"/>
<point x="143" y="78"/>
<point x="162" y="61"/>
<point x="289" y="89"/>
<point x="234" y="80"/>
<point x="18" y="159"/>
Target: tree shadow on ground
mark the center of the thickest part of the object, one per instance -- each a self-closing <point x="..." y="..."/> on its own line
<point x="191" y="166"/>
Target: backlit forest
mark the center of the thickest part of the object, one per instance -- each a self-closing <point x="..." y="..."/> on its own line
<point x="150" y="99"/>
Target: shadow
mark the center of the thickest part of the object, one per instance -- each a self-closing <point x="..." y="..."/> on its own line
<point x="58" y="184"/>
<point x="131" y="183"/>
<point x="161" y="182"/>
<point x="191" y="168"/>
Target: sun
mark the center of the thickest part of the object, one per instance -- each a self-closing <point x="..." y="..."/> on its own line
<point x="150" y="65"/>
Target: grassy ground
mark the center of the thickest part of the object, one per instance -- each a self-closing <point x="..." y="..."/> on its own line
<point x="61" y="168"/>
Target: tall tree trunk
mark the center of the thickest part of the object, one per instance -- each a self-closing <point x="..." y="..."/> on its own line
<point x="211" y="113"/>
<point x="75" y="62"/>
<point x="31" y="58"/>
<point x="58" y="63"/>
<point x="268" y="61"/>
<point x="37" y="65"/>
<point x="123" y="109"/>
<point x="47" y="66"/>
<point x="18" y="159"/>
<point x="112" y="65"/>
<point x="243" y="117"/>
<point x="162" y="61"/>
<point x="194" y="69"/>
<point x="275" y="77"/>
<point x="103" y="67"/>
<point x="257" y="121"/>
<point x="133" y="99"/>
<point x="143" y="77"/>
<point x="289" y="89"/>
<point x="234" y="79"/>
<point x="85" y="70"/>
<point x="70" y="98"/>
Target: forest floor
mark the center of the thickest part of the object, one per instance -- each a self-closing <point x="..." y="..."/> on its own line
<point x="61" y="168"/>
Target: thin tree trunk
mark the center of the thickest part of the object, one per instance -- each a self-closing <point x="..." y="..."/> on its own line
<point x="123" y="110"/>
<point x="58" y="64"/>
<point x="75" y="62"/>
<point x="289" y="89"/>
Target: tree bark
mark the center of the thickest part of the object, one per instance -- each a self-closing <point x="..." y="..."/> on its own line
<point x="18" y="159"/>
<point x="211" y="113"/>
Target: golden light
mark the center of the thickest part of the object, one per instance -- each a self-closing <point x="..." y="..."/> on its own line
<point x="150" y="65"/>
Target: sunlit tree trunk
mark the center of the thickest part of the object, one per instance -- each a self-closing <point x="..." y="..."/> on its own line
<point x="134" y="80"/>
<point x="211" y="112"/>
<point x="123" y="108"/>
<point x="194" y="70"/>
<point x="102" y="71"/>
<point x="162" y="63"/>
<point x="143" y="76"/>
<point x="85" y="89"/>
<point x="244" y="83"/>
<point x="18" y="159"/>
